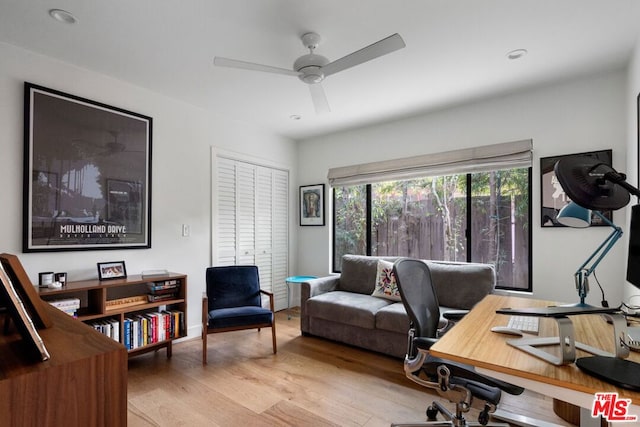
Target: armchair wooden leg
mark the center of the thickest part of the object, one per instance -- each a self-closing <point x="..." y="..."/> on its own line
<point x="273" y="337"/>
<point x="204" y="347"/>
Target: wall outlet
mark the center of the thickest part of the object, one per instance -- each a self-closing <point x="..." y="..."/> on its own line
<point x="186" y="230"/>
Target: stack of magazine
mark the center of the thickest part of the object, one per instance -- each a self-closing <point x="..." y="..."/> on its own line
<point x="68" y="305"/>
<point x="163" y="290"/>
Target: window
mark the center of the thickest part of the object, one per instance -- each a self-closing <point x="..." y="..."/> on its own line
<point x="477" y="217"/>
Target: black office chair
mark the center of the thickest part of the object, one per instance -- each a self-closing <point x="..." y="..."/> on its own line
<point x="457" y="382"/>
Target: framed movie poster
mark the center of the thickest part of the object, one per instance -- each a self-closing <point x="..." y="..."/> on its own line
<point x="312" y="204"/>
<point x="87" y="174"/>
<point x="554" y="197"/>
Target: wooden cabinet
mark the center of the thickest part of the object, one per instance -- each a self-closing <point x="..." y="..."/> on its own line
<point x="123" y="302"/>
<point x="84" y="383"/>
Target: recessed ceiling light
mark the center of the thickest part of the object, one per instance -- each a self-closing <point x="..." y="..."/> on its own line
<point x="516" y="54"/>
<point x="63" y="16"/>
<point x="295" y="117"/>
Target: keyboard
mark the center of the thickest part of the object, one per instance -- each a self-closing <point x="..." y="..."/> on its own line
<point x="527" y="324"/>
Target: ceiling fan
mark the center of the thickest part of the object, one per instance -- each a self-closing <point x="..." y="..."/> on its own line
<point x="313" y="68"/>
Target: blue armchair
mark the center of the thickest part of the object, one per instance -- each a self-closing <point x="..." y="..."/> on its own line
<point x="233" y="302"/>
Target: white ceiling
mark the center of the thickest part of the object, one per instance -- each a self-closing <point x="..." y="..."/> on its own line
<point x="456" y="50"/>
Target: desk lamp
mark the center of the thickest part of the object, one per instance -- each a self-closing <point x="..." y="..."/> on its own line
<point x="574" y="215"/>
<point x="591" y="185"/>
<point x="594" y="185"/>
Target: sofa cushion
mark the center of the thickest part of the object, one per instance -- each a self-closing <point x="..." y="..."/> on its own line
<point x="393" y="317"/>
<point x="386" y="285"/>
<point x="346" y="307"/>
<point x="359" y="273"/>
<point x="461" y="285"/>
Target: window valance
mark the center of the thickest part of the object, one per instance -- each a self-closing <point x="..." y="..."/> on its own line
<point x="469" y="160"/>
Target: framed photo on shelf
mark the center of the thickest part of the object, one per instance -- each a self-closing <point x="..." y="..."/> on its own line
<point x="553" y="197"/>
<point x="111" y="270"/>
<point x="18" y="313"/>
<point x="312" y="205"/>
<point x="87" y="174"/>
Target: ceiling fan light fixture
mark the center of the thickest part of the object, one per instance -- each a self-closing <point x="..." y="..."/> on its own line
<point x="311" y="75"/>
<point x="63" y="16"/>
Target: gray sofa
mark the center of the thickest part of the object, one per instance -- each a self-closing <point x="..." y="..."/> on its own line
<point x="341" y="307"/>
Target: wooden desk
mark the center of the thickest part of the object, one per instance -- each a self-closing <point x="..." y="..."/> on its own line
<point x="84" y="383"/>
<point x="472" y="342"/>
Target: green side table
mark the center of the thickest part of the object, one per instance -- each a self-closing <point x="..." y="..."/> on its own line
<point x="294" y="280"/>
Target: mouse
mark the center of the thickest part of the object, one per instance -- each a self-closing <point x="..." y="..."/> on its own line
<point x="506" y="330"/>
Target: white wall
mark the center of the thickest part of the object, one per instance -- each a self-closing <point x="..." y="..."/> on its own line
<point x="181" y="184"/>
<point x="577" y="116"/>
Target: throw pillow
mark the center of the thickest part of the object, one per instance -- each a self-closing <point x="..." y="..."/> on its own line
<point x="386" y="286"/>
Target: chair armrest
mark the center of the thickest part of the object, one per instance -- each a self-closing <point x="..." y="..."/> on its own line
<point x="318" y="286"/>
<point x="270" y="295"/>
<point x="468" y="372"/>
<point x="455" y="315"/>
<point x="424" y="343"/>
<point x="311" y="288"/>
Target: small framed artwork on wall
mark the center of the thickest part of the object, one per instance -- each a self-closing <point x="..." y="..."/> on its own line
<point x="312" y="205"/>
<point x="551" y="192"/>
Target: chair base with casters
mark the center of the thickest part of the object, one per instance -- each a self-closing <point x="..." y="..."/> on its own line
<point x="236" y="304"/>
<point x="457" y="383"/>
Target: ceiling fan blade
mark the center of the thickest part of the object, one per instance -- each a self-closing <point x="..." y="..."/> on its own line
<point x="319" y="98"/>
<point x="234" y="63"/>
<point x="373" y="51"/>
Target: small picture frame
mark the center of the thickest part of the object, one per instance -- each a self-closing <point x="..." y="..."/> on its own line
<point x="112" y="270"/>
<point x="312" y="205"/>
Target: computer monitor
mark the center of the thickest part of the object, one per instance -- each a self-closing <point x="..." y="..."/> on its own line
<point x="633" y="258"/>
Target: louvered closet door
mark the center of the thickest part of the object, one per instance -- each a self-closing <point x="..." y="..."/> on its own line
<point x="246" y="194"/>
<point x="264" y="225"/>
<point x="226" y="213"/>
<point x="252" y="222"/>
<point x="280" y="238"/>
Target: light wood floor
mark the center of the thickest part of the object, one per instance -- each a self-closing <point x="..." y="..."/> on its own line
<point x="309" y="382"/>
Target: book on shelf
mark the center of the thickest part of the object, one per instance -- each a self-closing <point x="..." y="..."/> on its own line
<point x="164" y="284"/>
<point x="178" y="322"/>
<point x="135" y="334"/>
<point x="163" y="297"/>
<point x="165" y="291"/>
<point x="115" y="330"/>
<point x="68" y="305"/>
<point x="156" y="272"/>
<point x="108" y="327"/>
<point x="127" y="333"/>
<point x="151" y="327"/>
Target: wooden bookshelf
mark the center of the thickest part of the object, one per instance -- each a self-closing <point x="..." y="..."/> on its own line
<point x="120" y="299"/>
<point x="84" y="383"/>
